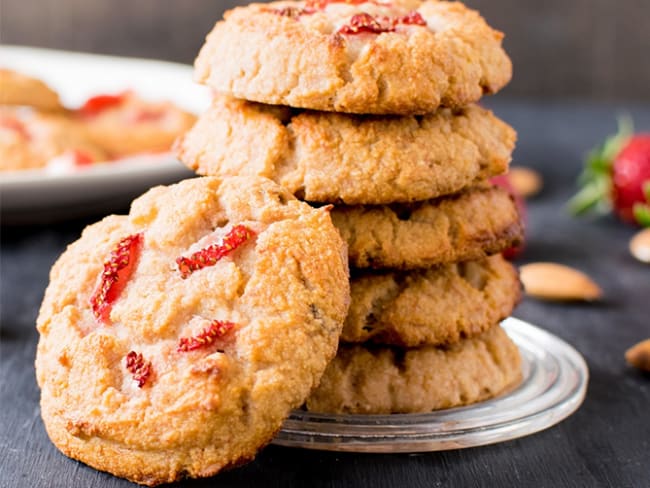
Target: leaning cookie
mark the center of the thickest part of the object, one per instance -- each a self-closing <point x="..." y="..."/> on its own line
<point x="125" y="124"/>
<point x="34" y="140"/>
<point x="175" y="340"/>
<point x="470" y="225"/>
<point x="382" y="380"/>
<point x="19" y="89"/>
<point x="402" y="57"/>
<point x="434" y="306"/>
<point x="328" y="157"/>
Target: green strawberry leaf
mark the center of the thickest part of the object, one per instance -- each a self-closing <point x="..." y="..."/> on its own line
<point x="595" y="179"/>
<point x="642" y="214"/>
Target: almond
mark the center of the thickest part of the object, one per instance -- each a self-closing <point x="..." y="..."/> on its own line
<point x="639" y="355"/>
<point x="640" y="246"/>
<point x="551" y="281"/>
<point x="525" y="181"/>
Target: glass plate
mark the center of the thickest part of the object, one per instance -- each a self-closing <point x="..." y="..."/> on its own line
<point x="554" y="384"/>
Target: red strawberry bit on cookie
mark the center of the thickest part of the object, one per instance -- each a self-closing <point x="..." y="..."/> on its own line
<point x="216" y="330"/>
<point x="14" y="125"/>
<point x="138" y="367"/>
<point x="117" y="271"/>
<point x="99" y="103"/>
<point x="412" y="18"/>
<point x="81" y="158"/>
<point x="292" y="12"/>
<point x="321" y="4"/>
<point x="365" y="23"/>
<point x="209" y="256"/>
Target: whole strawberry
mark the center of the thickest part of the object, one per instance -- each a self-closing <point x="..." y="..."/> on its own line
<point x="617" y="177"/>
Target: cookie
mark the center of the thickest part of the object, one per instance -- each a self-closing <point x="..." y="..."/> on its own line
<point x="402" y="57"/>
<point x="470" y="225"/>
<point x="382" y="380"/>
<point x="175" y="340"/>
<point x="19" y="89"/>
<point x="328" y="157"/>
<point x="32" y="140"/>
<point x="124" y="124"/>
<point x="434" y="306"/>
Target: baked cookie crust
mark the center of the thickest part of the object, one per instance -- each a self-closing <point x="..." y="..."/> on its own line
<point x="470" y="225"/>
<point x="19" y="89"/>
<point x="30" y="140"/>
<point x="151" y="389"/>
<point x="304" y="54"/>
<point x="382" y="380"/>
<point x="434" y="306"/>
<point x="338" y="158"/>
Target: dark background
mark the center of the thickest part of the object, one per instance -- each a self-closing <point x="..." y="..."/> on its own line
<point x="586" y="49"/>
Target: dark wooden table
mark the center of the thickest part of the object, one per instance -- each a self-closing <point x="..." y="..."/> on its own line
<point x="606" y="443"/>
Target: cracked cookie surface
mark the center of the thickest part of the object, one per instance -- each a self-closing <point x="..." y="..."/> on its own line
<point x="175" y="340"/>
<point x="382" y="380"/>
<point x="338" y="158"/>
<point x="435" y="306"/>
<point x="399" y="57"/>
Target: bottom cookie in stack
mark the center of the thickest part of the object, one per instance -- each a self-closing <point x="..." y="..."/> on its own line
<point x="378" y="379"/>
<point x="424" y="339"/>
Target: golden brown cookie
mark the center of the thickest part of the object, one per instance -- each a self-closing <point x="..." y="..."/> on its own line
<point x="433" y="306"/>
<point x="124" y="124"/>
<point x="382" y="380"/>
<point x="175" y="340"/>
<point x="328" y="157"/>
<point x="402" y="57"/>
<point x="19" y="89"/>
<point x="470" y="225"/>
<point x="31" y="140"/>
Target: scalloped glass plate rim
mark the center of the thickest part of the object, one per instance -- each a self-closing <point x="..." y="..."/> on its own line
<point x="554" y="385"/>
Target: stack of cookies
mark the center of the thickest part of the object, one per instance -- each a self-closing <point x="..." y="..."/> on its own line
<point x="369" y="108"/>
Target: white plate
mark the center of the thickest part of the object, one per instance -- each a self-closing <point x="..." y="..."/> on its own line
<point x="554" y="384"/>
<point x="38" y="195"/>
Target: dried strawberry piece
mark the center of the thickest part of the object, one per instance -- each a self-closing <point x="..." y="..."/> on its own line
<point x="81" y="158"/>
<point x="15" y="125"/>
<point x="95" y="105"/>
<point x="412" y="18"/>
<point x="138" y="367"/>
<point x="117" y="271"/>
<point x="321" y="4"/>
<point x="365" y="23"/>
<point x="148" y="114"/>
<point x="216" y="330"/>
<point x="209" y="256"/>
<point x="292" y="12"/>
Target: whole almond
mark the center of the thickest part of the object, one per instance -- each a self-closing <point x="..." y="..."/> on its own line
<point x="525" y="181"/>
<point x="640" y="246"/>
<point x="552" y="281"/>
<point x="639" y="355"/>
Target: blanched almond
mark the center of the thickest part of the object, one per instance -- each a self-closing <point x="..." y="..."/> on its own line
<point x="639" y="355"/>
<point x="525" y="181"/>
<point x="551" y="281"/>
<point x="640" y="246"/>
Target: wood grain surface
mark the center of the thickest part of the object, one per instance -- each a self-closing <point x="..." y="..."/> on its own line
<point x="592" y="49"/>
<point x="606" y="443"/>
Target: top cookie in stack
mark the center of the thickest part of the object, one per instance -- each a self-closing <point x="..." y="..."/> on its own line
<point x="370" y="106"/>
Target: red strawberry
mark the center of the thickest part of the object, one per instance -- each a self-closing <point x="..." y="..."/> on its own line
<point x="117" y="271"/>
<point x="138" y="367"/>
<point x="617" y="177"/>
<point x="209" y="256"/>
<point x="504" y="182"/>
<point x="216" y="330"/>
<point x="95" y="105"/>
